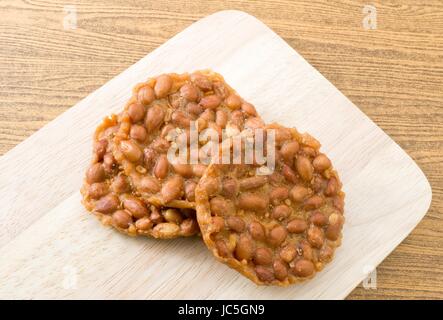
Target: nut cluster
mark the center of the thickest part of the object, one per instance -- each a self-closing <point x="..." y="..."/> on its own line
<point x="276" y="229"/>
<point x="130" y="184"/>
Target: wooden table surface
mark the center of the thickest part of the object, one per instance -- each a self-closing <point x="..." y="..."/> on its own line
<point x="394" y="73"/>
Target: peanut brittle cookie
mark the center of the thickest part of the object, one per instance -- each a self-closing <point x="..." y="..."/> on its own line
<point x="275" y="229"/>
<point x="157" y="196"/>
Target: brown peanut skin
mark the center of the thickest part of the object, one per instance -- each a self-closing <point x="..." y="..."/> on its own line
<point x="172" y="188"/>
<point x="154" y="118"/>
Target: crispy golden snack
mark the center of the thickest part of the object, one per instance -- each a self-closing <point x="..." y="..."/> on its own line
<point x="275" y="229"/>
<point x="130" y="184"/>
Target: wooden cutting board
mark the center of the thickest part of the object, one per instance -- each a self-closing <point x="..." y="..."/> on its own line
<point x="51" y="248"/>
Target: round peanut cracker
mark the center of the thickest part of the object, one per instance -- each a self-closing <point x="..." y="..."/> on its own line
<point x="275" y="229"/>
<point x="157" y="197"/>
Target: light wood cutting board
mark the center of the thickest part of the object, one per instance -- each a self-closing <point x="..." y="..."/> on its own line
<point x="51" y="248"/>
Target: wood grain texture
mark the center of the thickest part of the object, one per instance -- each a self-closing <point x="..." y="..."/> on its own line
<point x="394" y="74"/>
